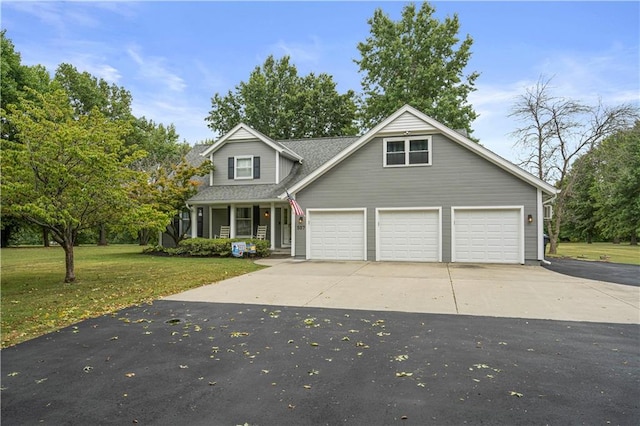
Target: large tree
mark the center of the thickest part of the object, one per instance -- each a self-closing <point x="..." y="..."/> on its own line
<point x="616" y="187"/>
<point x="14" y="79"/>
<point x="417" y="60"/>
<point x="283" y="105"/>
<point x="68" y="172"/>
<point x="554" y="132"/>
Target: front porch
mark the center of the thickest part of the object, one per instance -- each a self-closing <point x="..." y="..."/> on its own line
<point x="243" y="220"/>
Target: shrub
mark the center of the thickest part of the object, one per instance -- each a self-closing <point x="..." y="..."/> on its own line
<point x="207" y="247"/>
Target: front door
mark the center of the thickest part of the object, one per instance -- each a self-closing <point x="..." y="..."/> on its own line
<point x="285" y="219"/>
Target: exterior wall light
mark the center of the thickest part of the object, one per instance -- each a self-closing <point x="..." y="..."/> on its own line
<point x="301" y="219"/>
<point x="266" y="213"/>
<point x="530" y="219"/>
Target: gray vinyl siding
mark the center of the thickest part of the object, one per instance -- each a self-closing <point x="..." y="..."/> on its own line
<point x="285" y="167"/>
<point x="254" y="148"/>
<point x="457" y="177"/>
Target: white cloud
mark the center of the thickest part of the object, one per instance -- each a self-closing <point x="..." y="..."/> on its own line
<point x="301" y="53"/>
<point x="153" y="68"/>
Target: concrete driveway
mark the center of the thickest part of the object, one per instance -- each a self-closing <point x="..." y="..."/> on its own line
<point x="466" y="289"/>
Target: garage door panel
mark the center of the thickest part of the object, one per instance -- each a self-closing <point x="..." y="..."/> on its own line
<point x="408" y="235"/>
<point x="336" y="235"/>
<point x="487" y="235"/>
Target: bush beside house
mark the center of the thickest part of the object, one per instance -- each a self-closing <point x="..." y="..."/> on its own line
<point x="206" y="247"/>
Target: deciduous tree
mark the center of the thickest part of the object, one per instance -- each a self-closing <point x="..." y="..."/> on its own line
<point x="283" y="105"/>
<point x="417" y="60"/>
<point x="555" y="131"/>
<point x="68" y="172"/>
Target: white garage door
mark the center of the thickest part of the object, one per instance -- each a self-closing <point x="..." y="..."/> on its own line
<point x="336" y="235"/>
<point x="487" y="236"/>
<point x="408" y="235"/>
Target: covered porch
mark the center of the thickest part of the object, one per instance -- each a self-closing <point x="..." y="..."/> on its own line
<point x="243" y="219"/>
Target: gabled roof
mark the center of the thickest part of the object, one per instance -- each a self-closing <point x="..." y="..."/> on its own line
<point x="244" y="132"/>
<point x="316" y="152"/>
<point x="396" y="122"/>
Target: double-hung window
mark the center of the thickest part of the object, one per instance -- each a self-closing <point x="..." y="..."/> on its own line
<point x="407" y="151"/>
<point x="244" y="168"/>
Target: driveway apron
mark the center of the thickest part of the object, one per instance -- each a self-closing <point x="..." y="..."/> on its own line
<point x="514" y="291"/>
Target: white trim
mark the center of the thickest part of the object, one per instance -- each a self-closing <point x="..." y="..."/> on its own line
<point x="547" y="211"/>
<point x="521" y="227"/>
<point x="407" y="151"/>
<point x="540" y="225"/>
<point x="451" y="134"/>
<point x="293" y="225"/>
<point x="235" y="167"/>
<point x="229" y="136"/>
<point x="308" y="220"/>
<point x="387" y="209"/>
<point x="243" y="206"/>
<point x="211" y="172"/>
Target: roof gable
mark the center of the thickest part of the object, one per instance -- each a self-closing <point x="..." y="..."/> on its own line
<point x="408" y="120"/>
<point x="242" y="132"/>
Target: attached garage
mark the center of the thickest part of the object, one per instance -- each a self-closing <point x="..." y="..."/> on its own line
<point x="487" y="235"/>
<point x="336" y="234"/>
<point x="411" y="235"/>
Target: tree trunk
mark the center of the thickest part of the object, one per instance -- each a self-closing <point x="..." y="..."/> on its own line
<point x="616" y="240"/>
<point x="143" y="237"/>
<point x="102" y="240"/>
<point x="70" y="275"/>
<point x="5" y="235"/>
<point x="634" y="239"/>
<point x="45" y="237"/>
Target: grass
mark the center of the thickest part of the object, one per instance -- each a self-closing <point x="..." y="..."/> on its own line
<point x="36" y="301"/>
<point x="617" y="253"/>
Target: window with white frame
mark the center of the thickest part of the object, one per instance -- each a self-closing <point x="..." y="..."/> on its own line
<point x="407" y="151"/>
<point x="244" y="167"/>
<point x="243" y="221"/>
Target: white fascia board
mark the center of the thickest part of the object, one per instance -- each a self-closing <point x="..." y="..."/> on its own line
<point x="451" y="134"/>
<point x="279" y="148"/>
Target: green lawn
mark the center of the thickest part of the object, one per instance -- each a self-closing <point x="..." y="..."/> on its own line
<point x="617" y="253"/>
<point x="35" y="300"/>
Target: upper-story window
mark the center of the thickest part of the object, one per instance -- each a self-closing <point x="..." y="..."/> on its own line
<point x="407" y="151"/>
<point x="244" y="167"/>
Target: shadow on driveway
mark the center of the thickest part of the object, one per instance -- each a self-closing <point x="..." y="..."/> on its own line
<point x="226" y="364"/>
<point x="602" y="271"/>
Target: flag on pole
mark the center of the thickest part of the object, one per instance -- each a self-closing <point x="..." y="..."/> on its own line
<point x="294" y="205"/>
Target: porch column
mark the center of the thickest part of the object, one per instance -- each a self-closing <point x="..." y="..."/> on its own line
<point x="232" y="220"/>
<point x="194" y="222"/>
<point x="211" y="233"/>
<point x="272" y="227"/>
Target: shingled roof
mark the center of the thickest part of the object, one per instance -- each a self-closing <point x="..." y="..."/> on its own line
<point x="315" y="152"/>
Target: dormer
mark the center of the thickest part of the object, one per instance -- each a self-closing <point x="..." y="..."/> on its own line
<point x="244" y="156"/>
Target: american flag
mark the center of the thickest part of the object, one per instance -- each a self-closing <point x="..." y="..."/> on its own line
<point x="294" y="205"/>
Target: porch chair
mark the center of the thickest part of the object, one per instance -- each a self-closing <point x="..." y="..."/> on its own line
<point x="225" y="232"/>
<point x="261" y="233"/>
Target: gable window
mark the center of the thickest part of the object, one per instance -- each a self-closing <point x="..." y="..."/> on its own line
<point x="244" y="167"/>
<point x="407" y="151"/>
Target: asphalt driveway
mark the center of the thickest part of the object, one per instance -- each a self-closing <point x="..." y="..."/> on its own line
<point x="218" y="362"/>
<point x="602" y="271"/>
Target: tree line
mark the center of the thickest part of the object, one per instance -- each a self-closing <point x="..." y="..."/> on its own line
<point x="76" y="160"/>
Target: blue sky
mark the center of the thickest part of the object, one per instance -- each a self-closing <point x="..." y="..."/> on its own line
<point x="174" y="56"/>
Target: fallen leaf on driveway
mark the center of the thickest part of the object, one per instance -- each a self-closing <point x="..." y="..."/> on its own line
<point x="516" y="394"/>
<point x="130" y="374"/>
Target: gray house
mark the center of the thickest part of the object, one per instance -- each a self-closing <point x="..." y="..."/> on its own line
<point x="409" y="189"/>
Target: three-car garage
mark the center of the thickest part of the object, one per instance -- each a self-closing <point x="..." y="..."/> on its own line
<point x="478" y="235"/>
